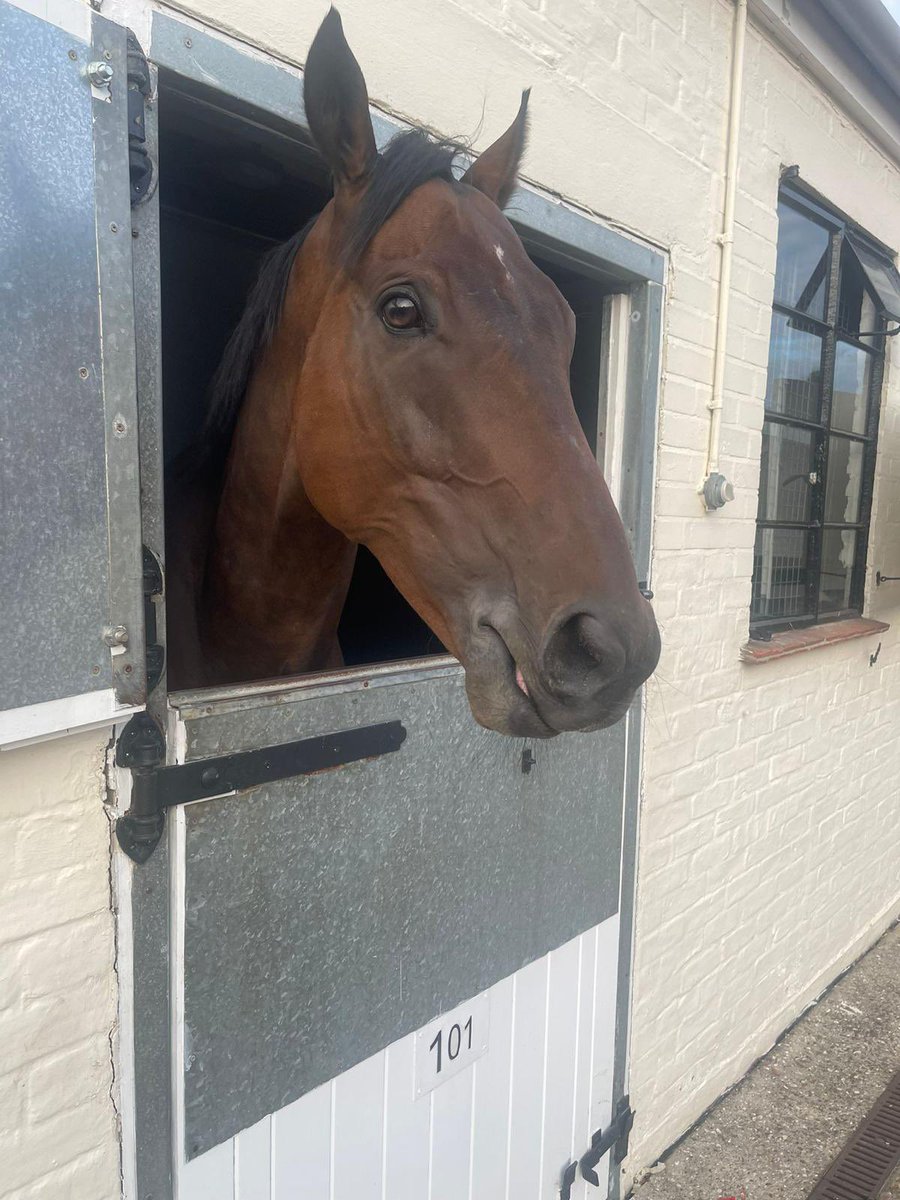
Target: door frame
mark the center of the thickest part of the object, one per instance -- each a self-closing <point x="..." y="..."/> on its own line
<point x="251" y="80"/>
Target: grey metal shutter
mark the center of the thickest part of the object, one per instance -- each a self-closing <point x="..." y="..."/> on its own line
<point x="71" y="620"/>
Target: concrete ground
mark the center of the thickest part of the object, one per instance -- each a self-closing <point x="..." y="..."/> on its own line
<point x="774" y="1134"/>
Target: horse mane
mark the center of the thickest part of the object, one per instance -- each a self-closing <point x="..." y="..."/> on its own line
<point x="409" y="160"/>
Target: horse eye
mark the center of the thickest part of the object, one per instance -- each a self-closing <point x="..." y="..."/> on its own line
<point x="401" y="313"/>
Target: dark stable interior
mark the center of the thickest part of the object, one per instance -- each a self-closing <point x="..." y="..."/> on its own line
<point x="231" y="188"/>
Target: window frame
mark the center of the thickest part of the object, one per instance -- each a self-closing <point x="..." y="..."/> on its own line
<point x="831" y="333"/>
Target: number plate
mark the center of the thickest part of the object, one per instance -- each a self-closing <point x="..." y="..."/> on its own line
<point x="449" y="1044"/>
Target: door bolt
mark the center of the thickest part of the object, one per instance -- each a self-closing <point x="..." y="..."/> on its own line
<point x="99" y="73"/>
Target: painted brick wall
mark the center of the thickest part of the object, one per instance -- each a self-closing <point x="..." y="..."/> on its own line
<point x="769" y="845"/>
<point x="58" y="1128"/>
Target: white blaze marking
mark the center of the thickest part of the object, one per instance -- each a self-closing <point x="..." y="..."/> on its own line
<point x="498" y="250"/>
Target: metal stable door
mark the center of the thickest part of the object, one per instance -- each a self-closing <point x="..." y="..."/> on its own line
<point x="71" y="644"/>
<point x="404" y="977"/>
<point x="398" y="978"/>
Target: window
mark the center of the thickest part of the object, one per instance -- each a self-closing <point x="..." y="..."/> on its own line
<point x="834" y="293"/>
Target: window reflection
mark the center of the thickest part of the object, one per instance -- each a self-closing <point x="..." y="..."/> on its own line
<point x="852" y="373"/>
<point x="795" y="370"/>
<point x="844" y="483"/>
<point x="838" y="553"/>
<point x="801" y="269"/>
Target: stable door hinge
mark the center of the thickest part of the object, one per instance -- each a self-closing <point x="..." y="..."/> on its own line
<point x="140" y="164"/>
<point x="156" y="787"/>
<point x="152" y="580"/>
<point x="614" y="1137"/>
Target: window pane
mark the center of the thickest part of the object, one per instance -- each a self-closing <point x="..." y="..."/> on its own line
<point x="856" y="309"/>
<point x="802" y="260"/>
<point x="838" y="553"/>
<point x="842" y="487"/>
<point x="852" y="372"/>
<point x="780" y="573"/>
<point x="787" y="460"/>
<point x="795" y="370"/>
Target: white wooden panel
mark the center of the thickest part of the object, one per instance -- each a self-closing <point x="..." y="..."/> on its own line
<point x="604" y="1021"/>
<point x="210" y="1176"/>
<point x="490" y="1125"/>
<point x="301" y="1148"/>
<point x="451" y="1138"/>
<point x="562" y="1054"/>
<point x="526" y="1109"/>
<point x="407" y="1120"/>
<point x="602" y="1059"/>
<point x="253" y="1162"/>
<point x="583" y="1128"/>
<point x="358" y="1131"/>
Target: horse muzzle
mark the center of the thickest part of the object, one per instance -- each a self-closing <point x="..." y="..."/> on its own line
<point x="582" y="677"/>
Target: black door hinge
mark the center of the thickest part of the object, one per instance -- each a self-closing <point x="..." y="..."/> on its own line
<point x="155" y="787"/>
<point x="153" y="586"/>
<point x="614" y="1137"/>
<point x="140" y="165"/>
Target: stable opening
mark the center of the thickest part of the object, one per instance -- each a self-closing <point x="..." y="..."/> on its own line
<point x="231" y="187"/>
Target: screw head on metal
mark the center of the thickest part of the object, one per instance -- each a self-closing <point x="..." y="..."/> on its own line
<point x="113" y="227"/>
<point x="188" y="43"/>
<point x="73" y="54"/>
<point x="83" y="372"/>
<point x="100" y="73"/>
<point x="115" y="635"/>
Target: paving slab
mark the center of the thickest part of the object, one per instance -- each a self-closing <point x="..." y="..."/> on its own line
<point x="773" y="1135"/>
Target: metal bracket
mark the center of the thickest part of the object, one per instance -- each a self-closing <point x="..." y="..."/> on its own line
<point x="156" y="788"/>
<point x="614" y="1137"/>
<point x="140" y="165"/>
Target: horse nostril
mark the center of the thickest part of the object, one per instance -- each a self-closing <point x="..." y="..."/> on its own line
<point x="580" y="657"/>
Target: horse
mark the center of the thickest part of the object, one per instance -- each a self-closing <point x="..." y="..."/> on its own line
<point x="399" y="380"/>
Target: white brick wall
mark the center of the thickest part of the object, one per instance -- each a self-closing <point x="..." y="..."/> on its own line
<point x="58" y="1127"/>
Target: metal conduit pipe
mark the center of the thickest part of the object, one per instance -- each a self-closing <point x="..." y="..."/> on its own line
<point x="716" y="489"/>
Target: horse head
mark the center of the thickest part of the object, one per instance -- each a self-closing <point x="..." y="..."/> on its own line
<point x="433" y="420"/>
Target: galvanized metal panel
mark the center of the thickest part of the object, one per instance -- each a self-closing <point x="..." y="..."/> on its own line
<point x="53" y="588"/>
<point x="358" y="904"/>
<point x="60" y="456"/>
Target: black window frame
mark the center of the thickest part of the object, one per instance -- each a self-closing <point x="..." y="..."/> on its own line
<point x="831" y="333"/>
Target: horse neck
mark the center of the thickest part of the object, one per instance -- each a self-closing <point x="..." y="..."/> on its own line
<point x="278" y="574"/>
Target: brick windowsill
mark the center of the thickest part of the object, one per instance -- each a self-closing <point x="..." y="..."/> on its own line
<point x="796" y="641"/>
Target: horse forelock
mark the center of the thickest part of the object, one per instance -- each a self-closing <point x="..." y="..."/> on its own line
<point x="410" y="160"/>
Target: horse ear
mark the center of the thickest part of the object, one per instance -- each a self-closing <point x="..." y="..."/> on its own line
<point x="494" y="172"/>
<point x="337" y="105"/>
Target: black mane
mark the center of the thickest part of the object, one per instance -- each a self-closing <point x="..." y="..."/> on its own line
<point x="409" y="160"/>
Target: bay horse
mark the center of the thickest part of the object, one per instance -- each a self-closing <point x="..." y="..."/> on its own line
<point x="399" y="379"/>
